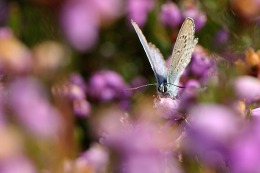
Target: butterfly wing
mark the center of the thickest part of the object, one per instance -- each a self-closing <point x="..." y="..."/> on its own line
<point x="154" y="56"/>
<point x="182" y="51"/>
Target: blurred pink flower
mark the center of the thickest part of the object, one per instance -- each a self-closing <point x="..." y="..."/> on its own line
<point x="244" y="154"/>
<point x="19" y="164"/>
<point x="138" y="10"/>
<point x="81" y="20"/>
<point x="201" y="63"/>
<point x="247" y="88"/>
<point x="167" y="108"/>
<point x="29" y="101"/>
<point x="96" y="157"/>
<point x="221" y="37"/>
<point x="198" y="16"/>
<point x="142" y="146"/>
<point x="212" y="128"/>
<point x="81" y="107"/>
<point x="170" y="14"/>
<point x="217" y="121"/>
<point x="80" y="24"/>
<point x="106" y="86"/>
<point x="255" y="112"/>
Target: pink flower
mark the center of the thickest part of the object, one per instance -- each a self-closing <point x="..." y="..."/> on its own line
<point x="81" y="20"/>
<point x="247" y="88"/>
<point x="170" y="14"/>
<point x="80" y="24"/>
<point x="199" y="17"/>
<point x="106" y="86"/>
<point x="33" y="110"/>
<point x="167" y="108"/>
<point x="211" y="130"/>
<point x="139" y="9"/>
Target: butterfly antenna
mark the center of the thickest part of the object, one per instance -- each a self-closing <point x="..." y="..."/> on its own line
<point x="152" y="84"/>
<point x="176" y="85"/>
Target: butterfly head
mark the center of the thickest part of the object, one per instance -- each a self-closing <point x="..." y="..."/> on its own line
<point x="163" y="88"/>
<point x="168" y="90"/>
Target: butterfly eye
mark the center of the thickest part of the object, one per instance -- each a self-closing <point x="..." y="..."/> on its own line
<point x="165" y="88"/>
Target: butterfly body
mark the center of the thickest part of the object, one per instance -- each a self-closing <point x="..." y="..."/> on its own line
<point x="168" y="79"/>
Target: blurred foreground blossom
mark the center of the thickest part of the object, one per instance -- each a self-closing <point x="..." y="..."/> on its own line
<point x="74" y="89"/>
<point x="255" y="112"/>
<point x="107" y="86"/>
<point x="19" y="164"/>
<point x="167" y="107"/>
<point x="201" y="63"/>
<point x="29" y="101"/>
<point x="138" y="10"/>
<point x="170" y="14"/>
<point x="77" y="93"/>
<point x="96" y="157"/>
<point x="198" y="16"/>
<point x="212" y="129"/>
<point x="244" y="154"/>
<point x="81" y="20"/>
<point x="14" y="56"/>
<point x="141" y="146"/>
<point x="247" y="88"/>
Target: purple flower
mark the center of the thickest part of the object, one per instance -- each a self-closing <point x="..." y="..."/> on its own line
<point x="78" y="80"/>
<point x="244" y="155"/>
<point x="255" y="112"/>
<point x="221" y="37"/>
<point x="5" y="32"/>
<point x="81" y="20"/>
<point x="81" y="107"/>
<point x="199" y="17"/>
<point x="151" y="150"/>
<point x="19" y="164"/>
<point x="96" y="157"/>
<point x="212" y="128"/>
<point x="200" y="64"/>
<point x="32" y="109"/>
<point x="170" y="14"/>
<point x="150" y="162"/>
<point x="77" y="93"/>
<point x="167" y="108"/>
<point x="138" y="10"/>
<point x="107" y="10"/>
<point x="107" y="86"/>
<point x="80" y="24"/>
<point x="247" y="88"/>
<point x="188" y="95"/>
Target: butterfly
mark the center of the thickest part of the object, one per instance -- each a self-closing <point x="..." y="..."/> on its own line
<point x="168" y="79"/>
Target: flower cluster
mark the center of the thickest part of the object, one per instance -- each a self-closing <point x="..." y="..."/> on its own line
<point x="70" y="98"/>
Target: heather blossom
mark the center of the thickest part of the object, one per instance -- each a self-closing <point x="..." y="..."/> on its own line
<point x="28" y="100"/>
<point x="170" y="14"/>
<point x="138" y="10"/>
<point x="106" y="86"/>
<point x="198" y="16"/>
<point x="81" y="20"/>
<point x="211" y="126"/>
